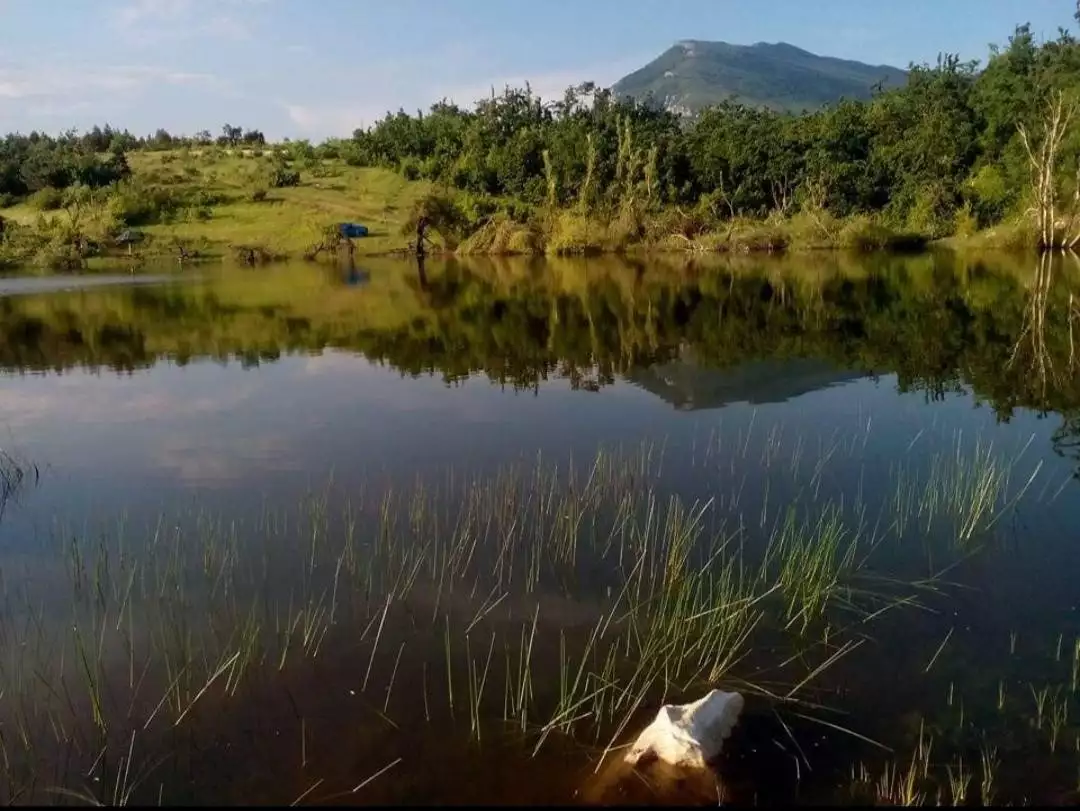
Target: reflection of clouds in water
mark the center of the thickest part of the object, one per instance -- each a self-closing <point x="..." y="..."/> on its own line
<point x="103" y="400"/>
<point x="384" y="386"/>
<point x="207" y="424"/>
<point x="211" y="461"/>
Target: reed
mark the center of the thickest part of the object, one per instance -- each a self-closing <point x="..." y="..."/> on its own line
<point x="669" y="595"/>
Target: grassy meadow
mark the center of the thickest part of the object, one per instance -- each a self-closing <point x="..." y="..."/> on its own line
<point x="212" y="201"/>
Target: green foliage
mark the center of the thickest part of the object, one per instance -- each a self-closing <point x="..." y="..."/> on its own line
<point x="47" y="199"/>
<point x="282" y="176"/>
<point x="30" y="163"/>
<point x="989" y="193"/>
<point x="136" y="203"/>
<point x="443" y="215"/>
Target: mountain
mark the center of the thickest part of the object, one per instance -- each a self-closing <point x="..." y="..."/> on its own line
<point x="694" y="74"/>
<point x="689" y="386"/>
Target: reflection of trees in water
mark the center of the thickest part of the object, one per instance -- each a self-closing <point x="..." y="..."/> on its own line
<point x="1038" y="351"/>
<point x="1066" y="440"/>
<point x="938" y="326"/>
<point x="1030" y="347"/>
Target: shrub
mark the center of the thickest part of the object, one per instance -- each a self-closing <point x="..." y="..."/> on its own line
<point x="501" y="236"/>
<point x="47" y="199"/>
<point x="445" y="217"/>
<point x="282" y="176"/>
<point x="138" y="204"/>
<point x="865" y="233"/>
<point x="255" y="254"/>
<point x="258" y="195"/>
<point x="571" y="233"/>
<point x="411" y="169"/>
<point x="965" y="223"/>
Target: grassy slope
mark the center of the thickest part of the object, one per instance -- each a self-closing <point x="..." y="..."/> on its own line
<point x="289" y="220"/>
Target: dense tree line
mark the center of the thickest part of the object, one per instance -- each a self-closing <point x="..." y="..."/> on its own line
<point x="944" y="146"/>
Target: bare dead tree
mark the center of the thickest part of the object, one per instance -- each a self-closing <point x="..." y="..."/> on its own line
<point x="1043" y="155"/>
<point x="724" y="197"/>
<point x="783" y="194"/>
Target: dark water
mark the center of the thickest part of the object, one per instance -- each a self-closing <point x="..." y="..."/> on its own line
<point x="205" y="444"/>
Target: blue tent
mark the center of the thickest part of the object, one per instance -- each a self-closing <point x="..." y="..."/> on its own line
<point x="352" y="230"/>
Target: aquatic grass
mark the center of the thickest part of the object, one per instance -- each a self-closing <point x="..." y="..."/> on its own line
<point x="676" y="595"/>
<point x="1074" y="682"/>
<point x="1059" y="717"/>
<point x="988" y="757"/>
<point x="1041" y="697"/>
<point x="959" y="782"/>
<point x="15" y="473"/>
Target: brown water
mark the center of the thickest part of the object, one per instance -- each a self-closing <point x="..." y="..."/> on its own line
<point x="385" y="535"/>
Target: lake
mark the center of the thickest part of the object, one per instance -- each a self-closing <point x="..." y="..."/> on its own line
<point x="455" y="532"/>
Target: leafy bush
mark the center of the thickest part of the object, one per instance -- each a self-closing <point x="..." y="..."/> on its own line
<point x="411" y="169"/>
<point x="47" y="199"/>
<point x="133" y="203"/>
<point x="282" y="176"/>
<point x="445" y="217"/>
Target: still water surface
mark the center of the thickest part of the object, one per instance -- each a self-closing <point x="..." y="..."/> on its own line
<point x="923" y="413"/>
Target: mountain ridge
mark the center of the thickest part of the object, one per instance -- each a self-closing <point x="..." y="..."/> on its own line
<point x="693" y="74"/>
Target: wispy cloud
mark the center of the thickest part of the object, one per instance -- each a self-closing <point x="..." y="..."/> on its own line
<point x="331" y="119"/>
<point x="150" y="21"/>
<point x="74" y="81"/>
<point x="55" y="81"/>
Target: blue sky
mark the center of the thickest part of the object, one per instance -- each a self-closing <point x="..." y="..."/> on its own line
<point x="312" y="68"/>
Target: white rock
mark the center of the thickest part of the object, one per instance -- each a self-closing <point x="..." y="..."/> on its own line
<point x="689" y="735"/>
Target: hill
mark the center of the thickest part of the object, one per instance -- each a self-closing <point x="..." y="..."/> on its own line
<point x="693" y="74"/>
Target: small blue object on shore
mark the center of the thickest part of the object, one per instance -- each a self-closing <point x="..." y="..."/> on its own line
<point x="352" y="230"/>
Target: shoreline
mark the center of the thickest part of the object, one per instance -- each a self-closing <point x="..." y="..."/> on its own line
<point x="156" y="255"/>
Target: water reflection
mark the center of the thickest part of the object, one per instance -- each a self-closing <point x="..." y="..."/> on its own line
<point x="842" y="388"/>
<point x="940" y="324"/>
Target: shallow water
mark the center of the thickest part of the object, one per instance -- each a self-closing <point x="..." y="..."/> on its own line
<point x="308" y="521"/>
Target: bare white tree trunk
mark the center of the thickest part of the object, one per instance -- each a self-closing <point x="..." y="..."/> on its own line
<point x="1043" y="159"/>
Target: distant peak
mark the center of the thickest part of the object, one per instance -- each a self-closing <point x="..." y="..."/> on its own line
<point x="696" y="73"/>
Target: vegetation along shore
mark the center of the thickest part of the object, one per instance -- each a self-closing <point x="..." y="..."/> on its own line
<point x="979" y="157"/>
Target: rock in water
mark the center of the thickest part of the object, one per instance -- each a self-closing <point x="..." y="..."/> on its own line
<point x="671" y="760"/>
<point x="689" y="735"/>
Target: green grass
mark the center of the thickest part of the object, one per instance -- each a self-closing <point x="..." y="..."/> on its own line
<point x="286" y="221"/>
<point x="290" y="220"/>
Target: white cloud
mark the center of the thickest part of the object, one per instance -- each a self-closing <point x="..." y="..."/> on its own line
<point x="327" y="120"/>
<point x="54" y="81"/>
